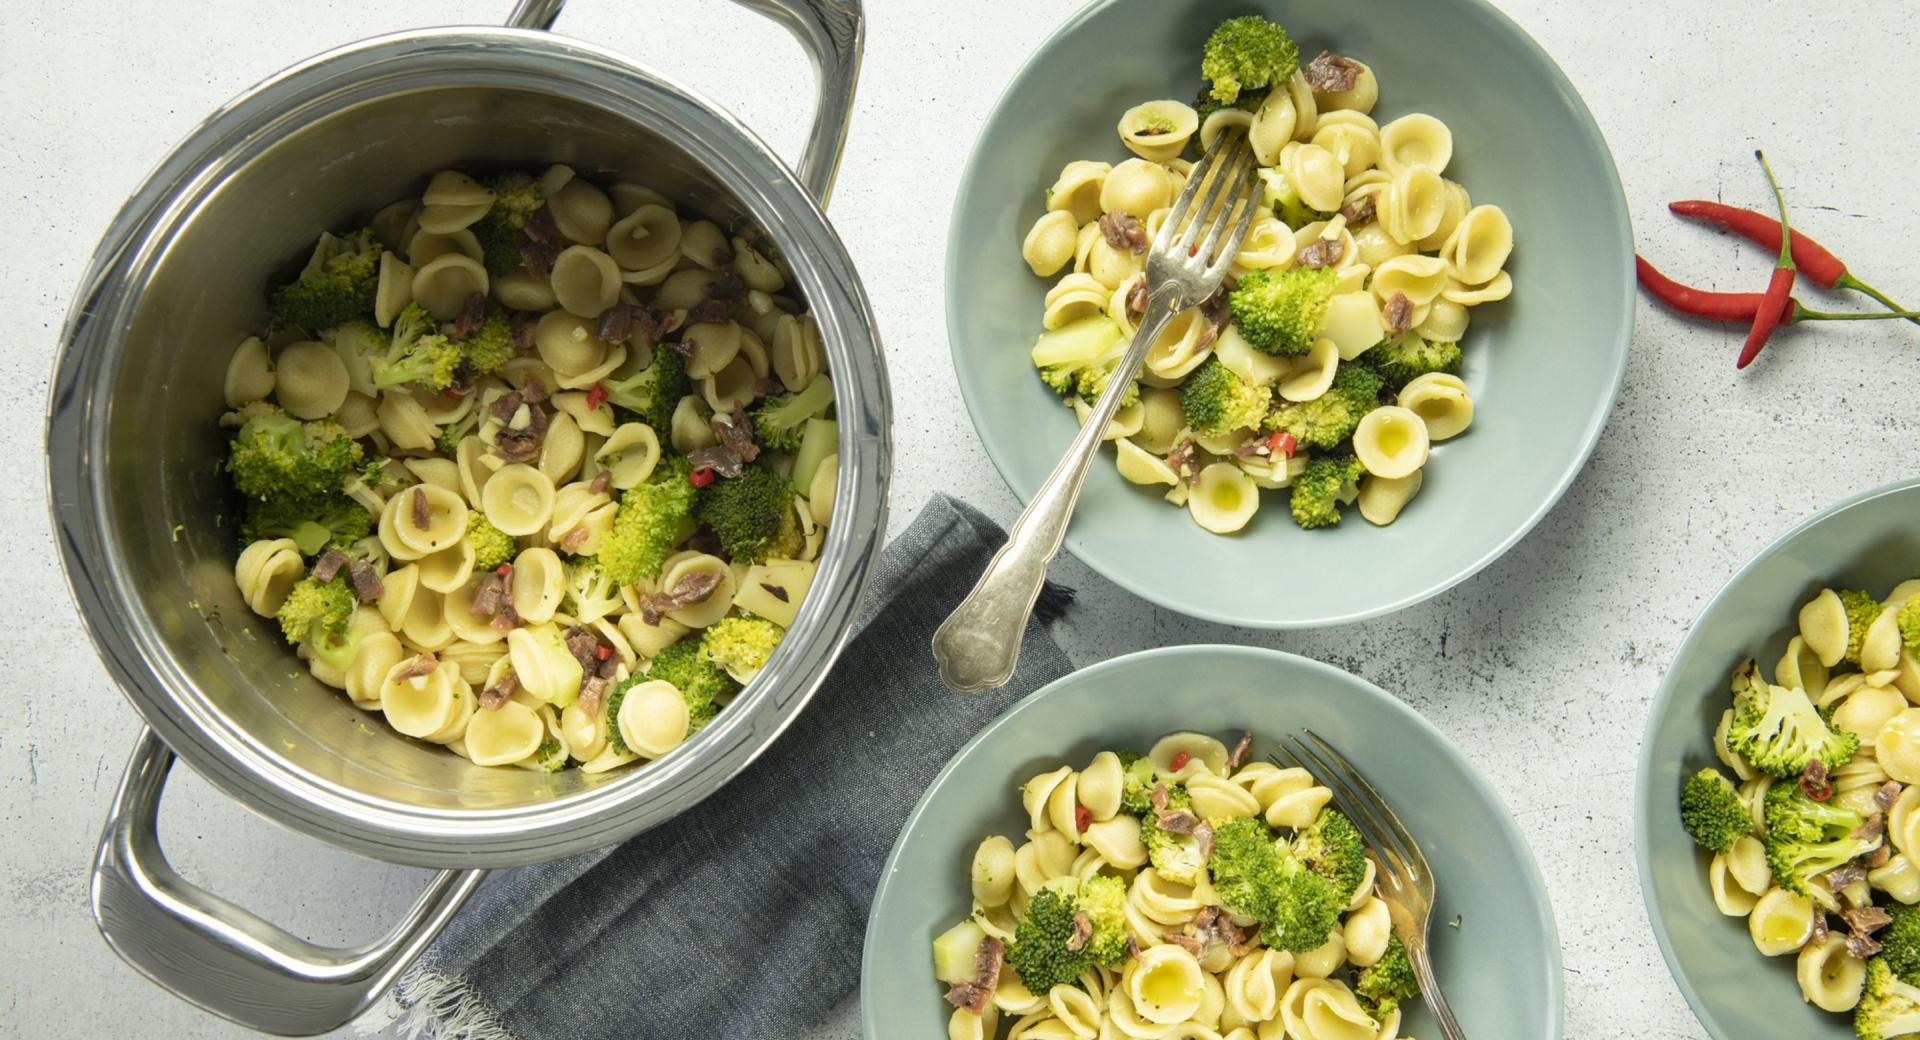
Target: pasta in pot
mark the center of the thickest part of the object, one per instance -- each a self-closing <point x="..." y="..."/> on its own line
<point x="504" y="361"/>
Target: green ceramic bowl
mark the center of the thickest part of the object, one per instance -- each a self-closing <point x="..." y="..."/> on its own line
<point x="1500" y="967"/>
<point x="1544" y="367"/>
<point x="1870" y="541"/>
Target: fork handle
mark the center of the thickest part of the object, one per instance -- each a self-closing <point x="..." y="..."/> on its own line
<point x="978" y="644"/>
<point x="1430" y="993"/>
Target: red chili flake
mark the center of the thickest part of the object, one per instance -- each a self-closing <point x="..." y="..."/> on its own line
<point x="701" y="477"/>
<point x="1082" y="816"/>
<point x="596" y="396"/>
<point x="452" y="393"/>
<point x="1180" y="761"/>
<point x="504" y="569"/>
<point x="602" y="652"/>
<point x="1284" y="445"/>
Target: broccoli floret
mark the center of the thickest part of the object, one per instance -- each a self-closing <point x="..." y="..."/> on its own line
<point x="652" y="519"/>
<point x="1136" y="794"/>
<point x="1909" y="619"/>
<point x="653" y="392"/>
<point x="336" y="286"/>
<point x="1779" y="730"/>
<point x="1041" y="940"/>
<point x="1091" y="382"/>
<point x="1246" y="867"/>
<point x="1387" y="981"/>
<point x="747" y="512"/>
<point x="418" y="353"/>
<point x="1317" y="494"/>
<point x="590" y="594"/>
<point x="1889" y="1006"/>
<point x="1331" y="847"/>
<point x="1900" y="941"/>
<point x="1861" y="609"/>
<point x="1104" y="899"/>
<point x="450" y="436"/>
<point x="779" y="420"/>
<point x="740" y="645"/>
<point x="699" y="680"/>
<point x="1406" y="358"/>
<point x="550" y="756"/>
<point x="1710" y="810"/>
<point x="1216" y="401"/>
<point x="491" y="546"/>
<point x="277" y="456"/>
<point x="1806" y="839"/>
<point x="1281" y="313"/>
<point x="516" y="196"/>
<point x="1244" y="52"/>
<point x="1332" y="417"/>
<point x="491" y="345"/>
<point x="314" y="523"/>
<point x="1306" y="908"/>
<point x="316" y="610"/>
<point x="1176" y="856"/>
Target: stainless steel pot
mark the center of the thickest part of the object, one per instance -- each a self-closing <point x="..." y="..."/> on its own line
<point x="132" y="452"/>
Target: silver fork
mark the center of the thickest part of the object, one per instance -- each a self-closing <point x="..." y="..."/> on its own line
<point x="1400" y="869"/>
<point x="979" y="643"/>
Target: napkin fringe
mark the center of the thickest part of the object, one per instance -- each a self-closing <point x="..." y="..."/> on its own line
<point x="433" y="1005"/>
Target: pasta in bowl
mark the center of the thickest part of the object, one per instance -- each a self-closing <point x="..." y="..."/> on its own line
<point x="1040" y="819"/>
<point x="536" y="469"/>
<point x="1774" y="817"/>
<point x="1226" y="394"/>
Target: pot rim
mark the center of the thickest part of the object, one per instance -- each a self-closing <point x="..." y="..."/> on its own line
<point x="93" y="340"/>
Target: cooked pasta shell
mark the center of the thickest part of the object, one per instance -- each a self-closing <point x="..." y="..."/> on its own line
<point x="582" y="212"/>
<point x="1823" y="626"/>
<point x="1415" y="140"/>
<point x="1137" y="187"/>
<point x="1781" y="922"/>
<point x="441" y="285"/>
<point x="1391" y="441"/>
<point x="1442" y="403"/>
<point x="1383" y="498"/>
<point x="249" y="373"/>
<point x="1166" y="984"/>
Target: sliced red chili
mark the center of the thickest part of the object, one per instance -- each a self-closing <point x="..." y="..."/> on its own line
<point x="701" y="477"/>
<point x="1180" y="761"/>
<point x="1082" y="816"/>
<point x="596" y="396"/>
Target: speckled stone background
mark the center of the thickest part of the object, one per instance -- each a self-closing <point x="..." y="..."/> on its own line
<point x="1540" y="668"/>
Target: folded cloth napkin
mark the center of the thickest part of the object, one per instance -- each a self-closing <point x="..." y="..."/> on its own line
<point x="743" y="917"/>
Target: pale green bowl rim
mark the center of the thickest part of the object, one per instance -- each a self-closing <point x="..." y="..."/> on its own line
<point x="1198" y="606"/>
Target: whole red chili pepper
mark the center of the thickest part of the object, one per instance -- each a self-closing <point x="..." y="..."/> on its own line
<point x="1814" y="260"/>
<point x="1780" y="286"/>
<point x="1738" y="306"/>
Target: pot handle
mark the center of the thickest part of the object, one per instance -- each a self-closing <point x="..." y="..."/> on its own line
<point x="223" y="958"/>
<point x="833" y="33"/>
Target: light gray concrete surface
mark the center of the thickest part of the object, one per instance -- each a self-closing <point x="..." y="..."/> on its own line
<point x="1540" y="668"/>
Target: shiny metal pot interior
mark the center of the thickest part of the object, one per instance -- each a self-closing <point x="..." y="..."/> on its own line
<point x="133" y="459"/>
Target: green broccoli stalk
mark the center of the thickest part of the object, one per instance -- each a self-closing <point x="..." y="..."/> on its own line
<point x="1329" y="482"/>
<point x="1889" y="1006"/>
<point x="1247" y="52"/>
<point x="1779" y="730"/>
<point x="701" y="682"/>
<point x="1403" y="359"/>
<point x="1387" y="982"/>
<point x="491" y="345"/>
<point x="418" y="354"/>
<point x="590" y="593"/>
<point x="652" y="393"/>
<point x="1216" y="401"/>
<point x="1043" y="950"/>
<point x="752" y="514"/>
<point x="1862" y="609"/>
<point x="1078" y="358"/>
<point x="653" y="518"/>
<point x="1805" y="839"/>
<point x="516" y="196"/>
<point x="1900" y="942"/>
<point x="1711" y="811"/>
<point x="779" y="420"/>
<point x="1331" y="847"/>
<point x="1139" y="778"/>
<point x="491" y="546"/>
<point x="1332" y="417"/>
<point x="316" y="610"/>
<point x="740" y="645"/>
<point x="277" y="456"/>
<point x="336" y="286"/>
<point x="1281" y="313"/>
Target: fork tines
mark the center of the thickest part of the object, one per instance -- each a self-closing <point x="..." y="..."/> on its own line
<point x="1355" y="797"/>
<point x="1224" y="172"/>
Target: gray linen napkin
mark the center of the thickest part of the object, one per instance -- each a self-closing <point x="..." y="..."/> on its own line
<point x="743" y="917"/>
